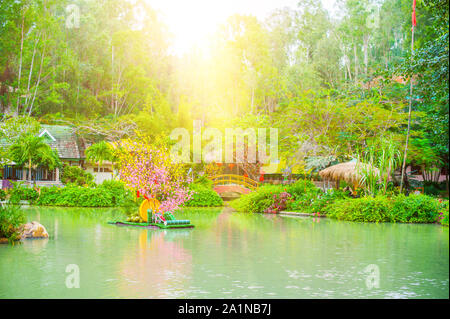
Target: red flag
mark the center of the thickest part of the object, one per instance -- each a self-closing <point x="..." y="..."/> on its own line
<point x="414" y="21"/>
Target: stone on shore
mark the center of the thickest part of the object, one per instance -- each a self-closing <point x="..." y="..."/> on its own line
<point x="34" y="230"/>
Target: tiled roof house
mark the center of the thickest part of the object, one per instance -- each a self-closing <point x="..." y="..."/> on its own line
<point x="63" y="140"/>
<point x="60" y="138"/>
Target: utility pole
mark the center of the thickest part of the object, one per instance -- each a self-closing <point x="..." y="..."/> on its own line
<point x="410" y="96"/>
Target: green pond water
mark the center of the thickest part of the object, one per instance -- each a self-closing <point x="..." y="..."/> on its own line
<point x="227" y="255"/>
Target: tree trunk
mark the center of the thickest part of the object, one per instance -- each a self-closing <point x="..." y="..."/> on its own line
<point x="253" y="97"/>
<point x="112" y="77"/>
<point x="366" y="53"/>
<point x="31" y="72"/>
<point x="38" y="81"/>
<point x="446" y="182"/>
<point x="349" y="71"/>
<point x="20" y="63"/>
<point x="29" y="169"/>
<point x="356" y="63"/>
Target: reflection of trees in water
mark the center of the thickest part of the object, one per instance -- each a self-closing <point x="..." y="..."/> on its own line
<point x="160" y="268"/>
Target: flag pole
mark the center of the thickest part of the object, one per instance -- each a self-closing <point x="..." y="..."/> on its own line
<point x="410" y="96"/>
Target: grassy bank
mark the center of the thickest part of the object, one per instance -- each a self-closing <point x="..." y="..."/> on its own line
<point x="303" y="196"/>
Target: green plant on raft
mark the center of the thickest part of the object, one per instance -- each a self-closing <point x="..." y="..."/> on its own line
<point x="11" y="218"/>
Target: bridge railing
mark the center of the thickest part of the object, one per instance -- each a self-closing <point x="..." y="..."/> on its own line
<point x="227" y="179"/>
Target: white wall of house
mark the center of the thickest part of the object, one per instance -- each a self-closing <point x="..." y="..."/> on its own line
<point x="99" y="177"/>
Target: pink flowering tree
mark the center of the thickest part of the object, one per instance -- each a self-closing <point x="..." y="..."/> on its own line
<point x="146" y="168"/>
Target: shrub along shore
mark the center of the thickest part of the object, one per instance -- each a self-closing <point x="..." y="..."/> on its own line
<point x="107" y="194"/>
<point x="303" y="196"/>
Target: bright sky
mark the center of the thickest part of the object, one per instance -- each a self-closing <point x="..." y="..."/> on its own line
<point x="191" y="21"/>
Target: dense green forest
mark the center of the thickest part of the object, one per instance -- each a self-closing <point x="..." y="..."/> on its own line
<point x="332" y="83"/>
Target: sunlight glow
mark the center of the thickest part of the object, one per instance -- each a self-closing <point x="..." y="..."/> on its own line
<point x="193" y="21"/>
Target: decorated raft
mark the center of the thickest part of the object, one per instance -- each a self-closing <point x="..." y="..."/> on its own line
<point x="148" y="212"/>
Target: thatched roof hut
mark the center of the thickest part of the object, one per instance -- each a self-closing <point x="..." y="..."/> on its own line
<point x="349" y="172"/>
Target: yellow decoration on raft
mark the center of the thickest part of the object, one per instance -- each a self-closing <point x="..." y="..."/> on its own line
<point x="152" y="204"/>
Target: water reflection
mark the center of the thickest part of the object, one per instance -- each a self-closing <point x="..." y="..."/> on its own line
<point x="160" y="263"/>
<point x="227" y="255"/>
<point x="34" y="246"/>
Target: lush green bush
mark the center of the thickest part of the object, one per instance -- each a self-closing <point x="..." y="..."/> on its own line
<point x="302" y="187"/>
<point x="108" y="194"/>
<point x="49" y="196"/>
<point x="303" y="203"/>
<point x="120" y="195"/>
<point x="327" y="198"/>
<point x="76" y="175"/>
<point x="203" y="197"/>
<point x="11" y="217"/>
<point x="316" y="202"/>
<point x="258" y="201"/>
<point x="20" y="192"/>
<point x="2" y="194"/>
<point x="431" y="188"/>
<point x="267" y="198"/>
<point x="365" y="209"/>
<point x="443" y="212"/>
<point x="204" y="181"/>
<point x="415" y="208"/>
<point x="405" y="209"/>
<point x="280" y="202"/>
